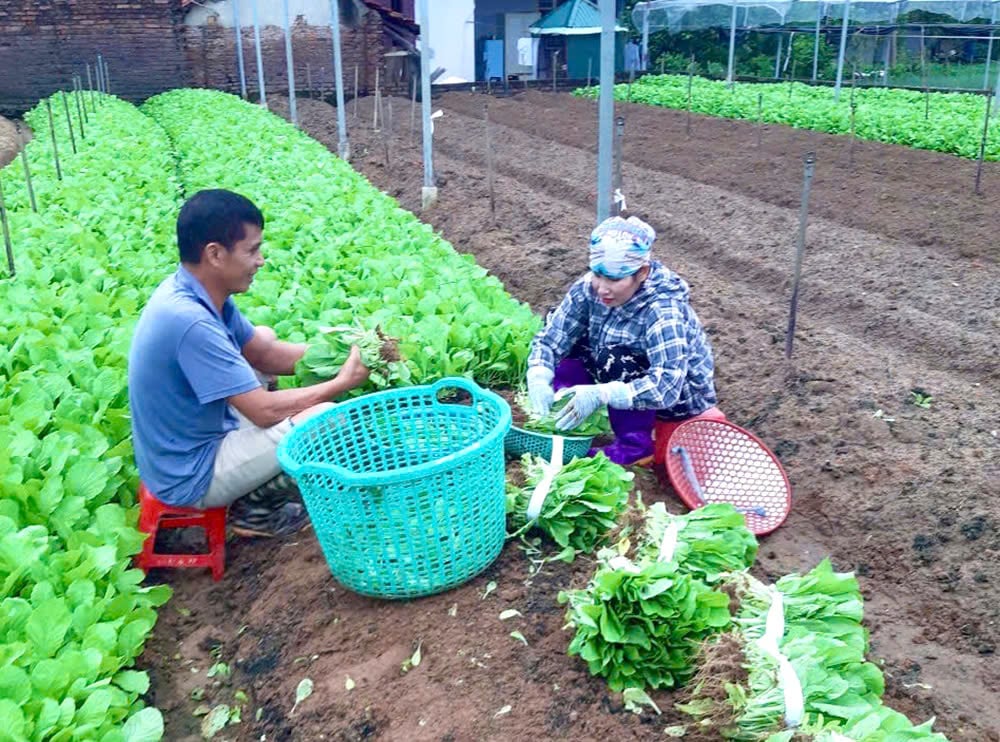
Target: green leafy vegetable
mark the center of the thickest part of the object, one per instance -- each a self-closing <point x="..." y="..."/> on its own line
<point x="379" y="353"/>
<point x="594" y="425"/>
<point x="583" y="504"/>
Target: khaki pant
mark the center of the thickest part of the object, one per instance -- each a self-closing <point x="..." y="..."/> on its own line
<point x="246" y="460"/>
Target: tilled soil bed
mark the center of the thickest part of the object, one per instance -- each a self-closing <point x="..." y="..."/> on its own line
<point x="900" y="293"/>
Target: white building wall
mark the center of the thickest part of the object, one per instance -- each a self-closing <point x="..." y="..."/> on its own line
<point x="452" y="38"/>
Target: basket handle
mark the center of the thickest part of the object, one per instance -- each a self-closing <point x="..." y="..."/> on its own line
<point x="456" y="382"/>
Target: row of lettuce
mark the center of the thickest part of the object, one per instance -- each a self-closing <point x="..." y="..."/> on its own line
<point x="942" y="122"/>
<point x="74" y="615"/>
<point x="672" y="605"/>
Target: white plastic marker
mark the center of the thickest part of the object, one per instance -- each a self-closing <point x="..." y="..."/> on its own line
<point x="436" y="115"/>
<point x="789" y="681"/>
<point x="669" y="543"/>
<point x="545" y="484"/>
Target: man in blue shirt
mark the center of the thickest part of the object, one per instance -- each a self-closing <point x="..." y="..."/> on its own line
<point x="205" y="429"/>
<point x="625" y="336"/>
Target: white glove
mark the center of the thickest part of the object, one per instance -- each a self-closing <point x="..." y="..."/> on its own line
<point x="586" y="400"/>
<point x="540" y="392"/>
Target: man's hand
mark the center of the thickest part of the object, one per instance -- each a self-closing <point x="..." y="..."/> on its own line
<point x="587" y="399"/>
<point x="353" y="373"/>
<point x="540" y="392"/>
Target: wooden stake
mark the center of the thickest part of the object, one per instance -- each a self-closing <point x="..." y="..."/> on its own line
<point x="690" y="83"/>
<point x="90" y="89"/>
<point x="27" y="175"/>
<point x="760" y="118"/>
<point x="79" y="113"/>
<point x="809" y="164"/>
<point x="69" y="121"/>
<point x="850" y="145"/>
<point x="489" y="162"/>
<point x="377" y="101"/>
<point x="982" y="143"/>
<point x="413" y="110"/>
<point x="78" y="86"/>
<point x="355" y="92"/>
<point x="55" y="146"/>
<point x="6" y="233"/>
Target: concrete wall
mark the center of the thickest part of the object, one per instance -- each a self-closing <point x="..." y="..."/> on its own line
<point x="452" y="38"/>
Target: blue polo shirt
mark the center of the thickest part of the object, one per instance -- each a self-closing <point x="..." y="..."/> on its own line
<point x="185" y="361"/>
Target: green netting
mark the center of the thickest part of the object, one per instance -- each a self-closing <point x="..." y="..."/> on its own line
<point x="519" y="442"/>
<point x="405" y="488"/>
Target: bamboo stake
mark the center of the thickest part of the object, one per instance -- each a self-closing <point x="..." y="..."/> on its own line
<point x="809" y="164"/>
<point x="489" y="162"/>
<point x="69" y="121"/>
<point x="55" y="145"/>
<point x="27" y="176"/>
<point x="982" y="143"/>
<point x="6" y="233"/>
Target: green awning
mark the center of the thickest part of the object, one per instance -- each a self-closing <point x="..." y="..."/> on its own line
<point x="573" y="18"/>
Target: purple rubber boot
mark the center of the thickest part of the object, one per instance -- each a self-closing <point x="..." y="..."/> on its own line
<point x="633" y="435"/>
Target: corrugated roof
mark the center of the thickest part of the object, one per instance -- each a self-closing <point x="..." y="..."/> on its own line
<point x="573" y="17"/>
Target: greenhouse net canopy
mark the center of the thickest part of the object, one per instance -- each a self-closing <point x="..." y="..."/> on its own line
<point x="692" y="15"/>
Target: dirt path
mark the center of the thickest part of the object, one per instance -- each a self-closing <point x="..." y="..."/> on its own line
<point x="906" y="498"/>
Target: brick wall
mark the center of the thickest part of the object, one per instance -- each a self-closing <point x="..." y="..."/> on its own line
<point x="149" y="49"/>
<point x="211" y="56"/>
<point x="43" y="43"/>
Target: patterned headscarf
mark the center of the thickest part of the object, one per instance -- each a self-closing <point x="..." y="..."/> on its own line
<point x="620" y="247"/>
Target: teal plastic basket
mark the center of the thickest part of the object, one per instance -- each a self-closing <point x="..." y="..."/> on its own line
<point x="519" y="442"/>
<point x="405" y="488"/>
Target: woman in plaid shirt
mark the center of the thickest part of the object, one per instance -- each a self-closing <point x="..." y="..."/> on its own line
<point x="624" y="336"/>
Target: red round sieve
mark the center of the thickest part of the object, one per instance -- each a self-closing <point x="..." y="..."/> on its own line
<point x="715" y="461"/>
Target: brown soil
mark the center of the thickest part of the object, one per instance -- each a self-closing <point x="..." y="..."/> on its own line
<point x="10" y="140"/>
<point x="901" y="291"/>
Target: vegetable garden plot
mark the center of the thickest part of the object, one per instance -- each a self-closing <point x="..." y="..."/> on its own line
<point x="953" y="122"/>
<point x="75" y="616"/>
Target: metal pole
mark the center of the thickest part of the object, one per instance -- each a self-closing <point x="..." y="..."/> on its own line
<point x="619" y="148"/>
<point x="996" y="93"/>
<point x="850" y="145"/>
<point x="777" y="59"/>
<point x="810" y="160"/>
<point x="429" y="193"/>
<point x="843" y="51"/>
<point x="6" y="233"/>
<point x="760" y="117"/>
<point x="343" y="143"/>
<point x="239" y="49"/>
<point x="290" y="64"/>
<point x="262" y="92"/>
<point x="819" y="19"/>
<point x="107" y="77"/>
<point x="555" y="72"/>
<point x="69" y="121"/>
<point x="644" y="62"/>
<point x="982" y="143"/>
<point x="989" y="60"/>
<point x="687" y="125"/>
<point x="606" y="107"/>
<point x="375" y="108"/>
<point x="356" y="91"/>
<point x="590" y="70"/>
<point x="99" y="75"/>
<point x="55" y="146"/>
<point x="732" y="47"/>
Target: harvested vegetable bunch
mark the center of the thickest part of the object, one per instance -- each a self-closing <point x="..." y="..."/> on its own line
<point x="708" y="542"/>
<point x="640" y="626"/>
<point x="585" y="498"/>
<point x="881" y="724"/>
<point x="822" y="640"/>
<point x="594" y="425"/>
<point x="380" y="354"/>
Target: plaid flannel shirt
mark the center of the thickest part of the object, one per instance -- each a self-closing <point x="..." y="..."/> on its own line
<point x="658" y="320"/>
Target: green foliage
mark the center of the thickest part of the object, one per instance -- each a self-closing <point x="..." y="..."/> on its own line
<point x="594" y="425"/>
<point x="639" y="626"/>
<point x="954" y="124"/>
<point x="73" y="616"/>
<point x="583" y="504"/>
<point x="340" y="252"/>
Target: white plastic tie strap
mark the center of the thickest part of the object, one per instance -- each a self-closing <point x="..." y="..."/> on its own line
<point x="619" y="199"/>
<point x="791" y="686"/>
<point x="668" y="545"/>
<point x="545" y="483"/>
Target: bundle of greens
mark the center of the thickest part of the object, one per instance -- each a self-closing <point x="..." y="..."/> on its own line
<point x="328" y="353"/>
<point x="639" y="626"/>
<point x="708" y="542"/>
<point x="823" y="641"/>
<point x="880" y="724"/>
<point x="583" y="503"/>
<point x="594" y="425"/>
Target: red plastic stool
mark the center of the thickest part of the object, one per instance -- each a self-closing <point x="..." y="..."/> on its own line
<point x="154" y="515"/>
<point x="665" y="428"/>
